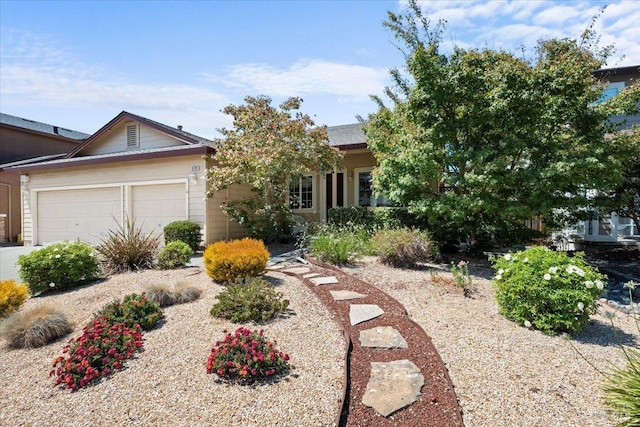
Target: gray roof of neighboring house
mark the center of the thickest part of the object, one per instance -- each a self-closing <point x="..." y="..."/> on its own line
<point x="19" y="122"/>
<point x="346" y="135"/>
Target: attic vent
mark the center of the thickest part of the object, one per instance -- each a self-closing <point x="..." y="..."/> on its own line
<point x="132" y="136"/>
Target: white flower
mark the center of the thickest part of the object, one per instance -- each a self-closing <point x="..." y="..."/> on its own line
<point x="581" y="306"/>
<point x="52" y="285"/>
<point x="547" y="276"/>
<point x="498" y="276"/>
<point x="58" y="256"/>
<point x="576" y="270"/>
<point x="553" y="270"/>
<point x="525" y="260"/>
<point x="527" y="324"/>
<point x="600" y="284"/>
<point x="55" y="249"/>
<point x="507" y="257"/>
<point x="501" y="271"/>
<point x="589" y="284"/>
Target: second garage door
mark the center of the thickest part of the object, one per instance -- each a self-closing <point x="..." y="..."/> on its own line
<point x="154" y="206"/>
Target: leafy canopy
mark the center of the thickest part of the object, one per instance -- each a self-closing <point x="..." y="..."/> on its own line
<point x="477" y="141"/>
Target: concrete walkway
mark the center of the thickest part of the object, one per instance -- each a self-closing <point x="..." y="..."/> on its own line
<point x="8" y="259"/>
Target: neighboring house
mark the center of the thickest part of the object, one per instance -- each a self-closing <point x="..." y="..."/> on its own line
<point x="22" y="141"/>
<point x="154" y="174"/>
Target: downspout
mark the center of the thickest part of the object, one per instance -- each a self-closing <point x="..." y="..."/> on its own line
<point x="9" y="213"/>
<point x="227" y="215"/>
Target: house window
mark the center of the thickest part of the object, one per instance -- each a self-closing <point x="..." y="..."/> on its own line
<point x="301" y="193"/>
<point x="133" y="140"/>
<point x="364" y="190"/>
<point x="612" y="90"/>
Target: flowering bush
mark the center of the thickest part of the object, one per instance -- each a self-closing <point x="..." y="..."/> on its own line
<point x="59" y="266"/>
<point x="225" y="261"/>
<point x="246" y="356"/>
<point x="175" y="255"/>
<point x="12" y="296"/>
<point x="98" y="352"/>
<point x="249" y="299"/>
<point x="546" y="290"/>
<point x="134" y="309"/>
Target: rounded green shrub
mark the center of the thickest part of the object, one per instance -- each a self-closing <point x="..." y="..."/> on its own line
<point x="183" y="231"/>
<point x="545" y="290"/>
<point x="226" y="261"/>
<point x="402" y="247"/>
<point x="35" y="327"/>
<point x="12" y="296"/>
<point x="133" y="309"/>
<point x="59" y="266"/>
<point x="249" y="299"/>
<point x="175" y="255"/>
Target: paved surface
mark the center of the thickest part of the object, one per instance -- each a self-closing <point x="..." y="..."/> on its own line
<point x="9" y="257"/>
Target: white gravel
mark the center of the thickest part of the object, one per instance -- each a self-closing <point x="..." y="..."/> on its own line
<point x="166" y="385"/>
<point x="504" y="374"/>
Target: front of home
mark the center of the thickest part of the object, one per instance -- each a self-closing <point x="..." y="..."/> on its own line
<point x="137" y="169"/>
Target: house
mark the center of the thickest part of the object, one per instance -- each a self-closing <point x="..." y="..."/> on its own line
<point x="139" y="169"/>
<point x="22" y="141"/>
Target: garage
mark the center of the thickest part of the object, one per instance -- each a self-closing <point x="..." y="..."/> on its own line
<point x="79" y="213"/>
<point x="154" y="206"/>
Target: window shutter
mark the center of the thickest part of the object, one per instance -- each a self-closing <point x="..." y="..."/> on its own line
<point x="132" y="136"/>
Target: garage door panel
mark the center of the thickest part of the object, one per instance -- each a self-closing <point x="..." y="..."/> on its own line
<point x="155" y="206"/>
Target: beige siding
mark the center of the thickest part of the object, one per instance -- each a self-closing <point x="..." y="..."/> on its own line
<point x="116" y="141"/>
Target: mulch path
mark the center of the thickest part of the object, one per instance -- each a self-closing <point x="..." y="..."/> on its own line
<point x="436" y="406"/>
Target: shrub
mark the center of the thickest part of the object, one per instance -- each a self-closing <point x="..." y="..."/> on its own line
<point x="134" y="309"/>
<point x="402" y="247"/>
<point x="175" y="255"/>
<point x="246" y="356"/>
<point x="12" y="296"/>
<point x="337" y="245"/>
<point x="225" y="261"/>
<point x="128" y="248"/>
<point x="98" y="352"/>
<point x="249" y="299"/>
<point x="546" y="290"/>
<point x="622" y="390"/>
<point x="342" y="217"/>
<point x="35" y="327"/>
<point x="59" y="266"/>
<point x="183" y="231"/>
<point x="164" y="295"/>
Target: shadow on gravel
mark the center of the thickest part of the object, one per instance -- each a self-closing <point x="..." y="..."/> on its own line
<point x="604" y="334"/>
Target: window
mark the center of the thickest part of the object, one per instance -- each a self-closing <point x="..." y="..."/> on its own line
<point x="301" y="193"/>
<point x="132" y="136"/>
<point x="612" y="90"/>
<point x="364" y="190"/>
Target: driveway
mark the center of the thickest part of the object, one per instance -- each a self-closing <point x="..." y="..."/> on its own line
<point x="9" y="258"/>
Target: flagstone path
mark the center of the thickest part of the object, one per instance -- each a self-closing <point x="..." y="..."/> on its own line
<point x="394" y="374"/>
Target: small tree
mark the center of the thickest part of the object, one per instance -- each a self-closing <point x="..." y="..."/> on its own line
<point x="267" y="149"/>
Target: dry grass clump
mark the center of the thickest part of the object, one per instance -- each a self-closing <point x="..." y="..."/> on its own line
<point x="164" y="295"/>
<point x="35" y="327"/>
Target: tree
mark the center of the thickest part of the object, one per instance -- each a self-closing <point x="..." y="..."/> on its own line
<point x="267" y="149"/>
<point x="479" y="141"/>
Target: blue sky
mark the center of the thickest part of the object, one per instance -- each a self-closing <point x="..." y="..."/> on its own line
<point x="77" y="64"/>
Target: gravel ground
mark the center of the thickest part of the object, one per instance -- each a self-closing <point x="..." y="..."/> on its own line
<point x="166" y="384"/>
<point x="504" y="374"/>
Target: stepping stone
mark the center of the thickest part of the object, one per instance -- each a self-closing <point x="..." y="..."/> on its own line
<point x="297" y="270"/>
<point x="308" y="276"/>
<point x="392" y="386"/>
<point x="359" y="313"/>
<point x="328" y="280"/>
<point x="382" y="337"/>
<point x="274" y="266"/>
<point x="345" y="295"/>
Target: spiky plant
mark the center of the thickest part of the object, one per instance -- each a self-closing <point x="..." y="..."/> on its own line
<point x="128" y="248"/>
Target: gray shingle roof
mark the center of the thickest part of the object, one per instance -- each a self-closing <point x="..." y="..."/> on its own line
<point x="19" y="122"/>
<point x="346" y="135"/>
<point x="172" y="129"/>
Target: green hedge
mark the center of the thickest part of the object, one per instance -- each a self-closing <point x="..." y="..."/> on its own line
<point x="374" y="218"/>
<point x="183" y="231"/>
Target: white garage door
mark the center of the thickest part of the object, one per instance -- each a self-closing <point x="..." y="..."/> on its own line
<point x="154" y="206"/>
<point x="83" y="214"/>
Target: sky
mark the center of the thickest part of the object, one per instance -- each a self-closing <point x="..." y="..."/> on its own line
<point x="78" y="64"/>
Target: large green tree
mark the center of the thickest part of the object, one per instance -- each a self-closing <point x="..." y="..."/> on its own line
<point x="266" y="149"/>
<point x="478" y="141"/>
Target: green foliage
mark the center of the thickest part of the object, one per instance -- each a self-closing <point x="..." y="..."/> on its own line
<point x="183" y="231"/>
<point x="35" y="327"/>
<point x="175" y="255"/>
<point x="134" y="309"/>
<point x="546" y="290"/>
<point x="402" y="247"/>
<point x="373" y="218"/>
<point x="12" y="296"/>
<point x="269" y="223"/>
<point x="250" y="299"/>
<point x="267" y="149"/>
<point x="128" y="248"/>
<point x="337" y="245"/>
<point x="98" y="352"/>
<point x="478" y="141"/>
<point x="461" y="276"/>
<point x="224" y="261"/>
<point x="246" y="356"/>
<point x="164" y="295"/>
<point x="352" y="215"/>
<point x="59" y="266"/>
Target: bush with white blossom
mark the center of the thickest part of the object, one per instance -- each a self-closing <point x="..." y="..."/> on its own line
<point x="58" y="267"/>
<point x="546" y="290"/>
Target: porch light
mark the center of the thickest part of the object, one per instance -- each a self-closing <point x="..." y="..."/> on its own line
<point x="193" y="178"/>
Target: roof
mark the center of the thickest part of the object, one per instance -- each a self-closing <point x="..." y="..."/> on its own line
<point x="179" y="134"/>
<point x="32" y="125"/>
<point x="607" y="72"/>
<point x="31" y="160"/>
<point x="347" y="136"/>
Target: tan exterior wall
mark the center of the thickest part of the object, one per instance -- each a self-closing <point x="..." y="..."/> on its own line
<point x="116" y="141"/>
<point x="19" y="145"/>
